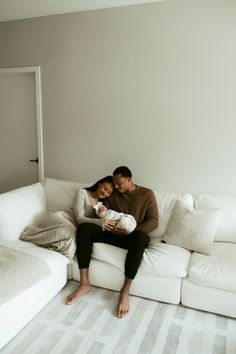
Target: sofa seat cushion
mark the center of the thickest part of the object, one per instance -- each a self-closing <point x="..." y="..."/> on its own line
<point x="217" y="270"/>
<point x="53" y="259"/>
<point x="15" y="275"/>
<point x="159" y="259"/>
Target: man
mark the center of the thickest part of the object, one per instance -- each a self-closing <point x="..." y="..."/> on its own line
<point x="127" y="198"/>
<point x="140" y="202"/>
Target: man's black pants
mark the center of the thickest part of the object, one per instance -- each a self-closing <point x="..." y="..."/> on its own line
<point x="135" y="243"/>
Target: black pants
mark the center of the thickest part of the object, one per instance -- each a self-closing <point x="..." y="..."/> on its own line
<point x="135" y="243"/>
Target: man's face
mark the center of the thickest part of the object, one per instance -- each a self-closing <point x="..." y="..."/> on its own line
<point x="121" y="183"/>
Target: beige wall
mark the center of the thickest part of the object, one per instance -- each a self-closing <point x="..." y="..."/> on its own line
<point x="150" y="86"/>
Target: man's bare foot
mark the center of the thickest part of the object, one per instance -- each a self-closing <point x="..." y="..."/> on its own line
<point x="81" y="290"/>
<point x="123" y="304"/>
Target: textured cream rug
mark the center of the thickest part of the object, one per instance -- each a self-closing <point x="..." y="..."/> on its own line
<point x="89" y="326"/>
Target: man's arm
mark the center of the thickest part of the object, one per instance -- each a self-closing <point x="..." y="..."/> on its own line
<point x="151" y="215"/>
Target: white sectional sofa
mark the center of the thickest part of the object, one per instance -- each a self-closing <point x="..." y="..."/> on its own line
<point x="168" y="273"/>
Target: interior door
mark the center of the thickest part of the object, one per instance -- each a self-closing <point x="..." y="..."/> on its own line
<point x="18" y="129"/>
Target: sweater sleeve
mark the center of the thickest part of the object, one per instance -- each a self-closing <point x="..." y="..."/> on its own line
<point x="151" y="215"/>
<point x="80" y="206"/>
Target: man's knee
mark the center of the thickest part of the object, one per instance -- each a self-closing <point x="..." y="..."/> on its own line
<point x="142" y="239"/>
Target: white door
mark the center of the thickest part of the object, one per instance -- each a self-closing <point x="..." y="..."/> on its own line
<point x="20" y="128"/>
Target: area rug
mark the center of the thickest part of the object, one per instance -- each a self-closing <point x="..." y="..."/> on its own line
<point x="89" y="326"/>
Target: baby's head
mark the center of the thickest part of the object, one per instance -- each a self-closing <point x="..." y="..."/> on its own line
<point x="100" y="209"/>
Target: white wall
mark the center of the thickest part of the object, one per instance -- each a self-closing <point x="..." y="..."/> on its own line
<point x="149" y="86"/>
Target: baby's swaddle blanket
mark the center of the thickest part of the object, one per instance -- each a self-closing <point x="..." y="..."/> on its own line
<point x="126" y="221"/>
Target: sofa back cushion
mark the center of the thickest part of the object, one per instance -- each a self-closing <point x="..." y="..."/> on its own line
<point x="226" y="230"/>
<point x="60" y="194"/>
<point x="19" y="208"/>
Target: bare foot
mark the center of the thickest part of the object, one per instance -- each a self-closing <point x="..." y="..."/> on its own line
<point x="81" y="290"/>
<point x="123" y="304"/>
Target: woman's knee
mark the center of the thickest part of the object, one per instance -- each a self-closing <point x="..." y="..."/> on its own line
<point x="86" y="227"/>
<point x="88" y="232"/>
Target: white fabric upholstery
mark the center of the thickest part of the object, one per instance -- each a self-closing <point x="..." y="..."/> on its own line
<point x="159" y="259"/>
<point x="60" y="194"/>
<point x="226" y="230"/>
<point x="19" y="208"/>
<point x="208" y="299"/>
<point x="53" y="259"/>
<point x="193" y="229"/>
<point x="218" y="270"/>
<point x="17" y="312"/>
<point x="166" y="202"/>
<point x="157" y="288"/>
<point x="165" y="261"/>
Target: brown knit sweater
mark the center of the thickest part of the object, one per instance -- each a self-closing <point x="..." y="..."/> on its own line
<point x="141" y="203"/>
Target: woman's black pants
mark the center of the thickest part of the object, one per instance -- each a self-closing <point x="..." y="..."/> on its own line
<point x="135" y="243"/>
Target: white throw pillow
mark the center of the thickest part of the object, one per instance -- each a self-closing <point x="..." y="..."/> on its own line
<point x="193" y="229"/>
<point x="166" y="203"/>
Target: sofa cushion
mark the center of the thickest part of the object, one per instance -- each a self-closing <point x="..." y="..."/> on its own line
<point x="193" y="229"/>
<point x="54" y="260"/>
<point x="60" y="194"/>
<point x="226" y="230"/>
<point x="19" y="208"/>
<point x="159" y="259"/>
<point x="166" y="202"/>
<point x="218" y="270"/>
<point x="15" y="275"/>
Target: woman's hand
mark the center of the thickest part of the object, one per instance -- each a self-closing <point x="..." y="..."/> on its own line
<point x="108" y="225"/>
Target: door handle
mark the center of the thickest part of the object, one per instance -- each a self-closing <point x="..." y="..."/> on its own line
<point x="37" y="160"/>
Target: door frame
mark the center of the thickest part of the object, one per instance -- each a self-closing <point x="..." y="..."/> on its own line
<point x="36" y="70"/>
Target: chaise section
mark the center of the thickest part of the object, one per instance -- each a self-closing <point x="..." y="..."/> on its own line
<point x="25" y="294"/>
<point x="22" y="306"/>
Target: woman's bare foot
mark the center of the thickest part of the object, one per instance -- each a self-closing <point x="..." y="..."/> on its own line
<point x="123" y="304"/>
<point x="81" y="290"/>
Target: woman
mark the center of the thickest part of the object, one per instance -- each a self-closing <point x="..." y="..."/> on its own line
<point x="85" y="199"/>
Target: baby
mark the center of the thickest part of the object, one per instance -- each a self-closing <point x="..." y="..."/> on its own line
<point x="125" y="221"/>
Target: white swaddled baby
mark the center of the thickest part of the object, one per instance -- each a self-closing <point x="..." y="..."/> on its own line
<point x="125" y="221"/>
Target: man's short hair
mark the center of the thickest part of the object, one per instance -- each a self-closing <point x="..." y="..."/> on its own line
<point x="123" y="171"/>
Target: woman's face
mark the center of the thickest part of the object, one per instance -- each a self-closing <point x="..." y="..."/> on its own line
<point x="105" y="189"/>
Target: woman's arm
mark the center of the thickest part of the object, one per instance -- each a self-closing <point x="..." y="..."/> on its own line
<point x="80" y="206"/>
